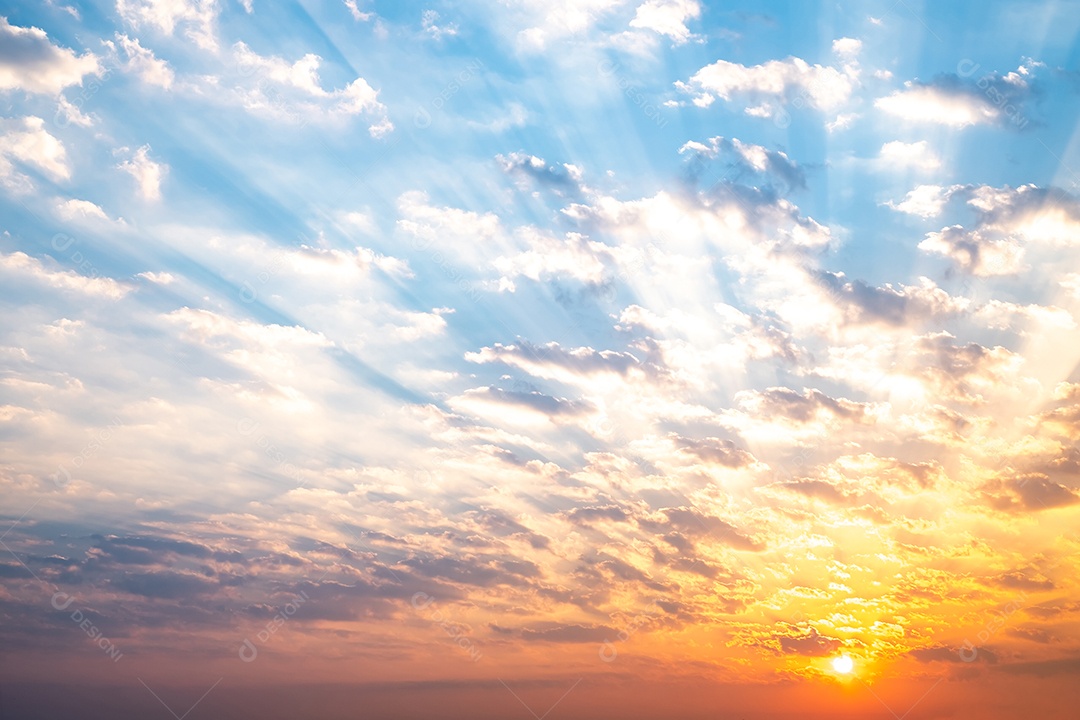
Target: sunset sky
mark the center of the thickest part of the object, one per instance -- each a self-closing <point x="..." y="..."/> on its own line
<point x="539" y="359"/>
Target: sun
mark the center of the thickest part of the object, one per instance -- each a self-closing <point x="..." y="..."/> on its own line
<point x="843" y="664"/>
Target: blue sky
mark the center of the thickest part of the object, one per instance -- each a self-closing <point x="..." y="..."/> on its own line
<point x="760" y="313"/>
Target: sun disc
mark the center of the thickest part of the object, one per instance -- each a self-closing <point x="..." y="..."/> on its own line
<point x="843" y="664"/>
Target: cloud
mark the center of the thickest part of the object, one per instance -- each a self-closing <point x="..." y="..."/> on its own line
<point x="22" y="266"/>
<point x="715" y="450"/>
<point x="667" y="17"/>
<point x="25" y="140"/>
<point x="578" y="366"/>
<point x="29" y="62"/>
<point x="551" y="20"/>
<point x="197" y="17"/>
<point x="901" y="154"/>
<point x="960" y="102"/>
<point x="979" y="253"/>
<point x="941" y="653"/>
<point x="429" y="21"/>
<point x="571" y="256"/>
<point x="750" y="158"/>
<point x="356" y="13"/>
<point x="68" y="113"/>
<point x="1009" y="220"/>
<point x="970" y="372"/>
<point x="810" y="643"/>
<point x="863" y="303"/>
<point x="75" y="210"/>
<point x="925" y="201"/>
<point x="771" y="85"/>
<point x="271" y="85"/>
<point x="147" y="173"/>
<point x="571" y="634"/>
<point x="692" y="523"/>
<point x="528" y="407"/>
<point x="143" y="63"/>
<point x="559" y="177"/>
<point x="1068" y="666"/>
<point x="847" y="48"/>
<point x="928" y="103"/>
<point x="1029" y="492"/>
<point x="800" y="408"/>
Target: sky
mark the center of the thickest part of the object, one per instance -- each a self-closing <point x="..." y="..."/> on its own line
<point x="560" y="359"/>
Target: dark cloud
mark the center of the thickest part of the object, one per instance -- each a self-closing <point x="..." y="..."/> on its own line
<point x="1052" y="611"/>
<point x="800" y="407"/>
<point x="571" y="634"/>
<point x="580" y="361"/>
<point x="816" y="489"/>
<point x="1046" y="668"/>
<point x="810" y="644"/>
<point x="499" y="524"/>
<point x="941" y="653"/>
<point x="1032" y="492"/>
<point x="545" y="404"/>
<point x="1020" y="580"/>
<point x="994" y="243"/>
<point x="482" y="572"/>
<point x="598" y="512"/>
<point x="165" y="585"/>
<point x="714" y="450"/>
<point x="561" y="179"/>
<point x="688" y="522"/>
<point x="1036" y="635"/>
<point x="865" y="303"/>
<point x="14" y="571"/>
<point x="1007" y="98"/>
<point x="744" y="161"/>
<point x="697" y="566"/>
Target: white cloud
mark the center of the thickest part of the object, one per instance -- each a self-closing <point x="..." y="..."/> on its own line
<point x="25" y="140"/>
<point x="553" y="19"/>
<point x="771" y="84"/>
<point x="667" y="17"/>
<point x="158" y="278"/>
<point x="23" y="266"/>
<point x="842" y="122"/>
<point x="143" y="63"/>
<point x="28" y="61"/>
<point x="847" y="48"/>
<point x="197" y="16"/>
<point x="573" y="256"/>
<point x="147" y="173"/>
<point x="1002" y="315"/>
<point x="465" y="233"/>
<point x="514" y="115"/>
<point x="1070" y="282"/>
<point x="75" y="209"/>
<point x="916" y="154"/>
<point x="760" y="159"/>
<point x="926" y="103"/>
<point x="925" y="200"/>
<point x="981" y="254"/>
<point x="71" y="114"/>
<point x="358" y="16"/>
<point x="296" y="93"/>
<point x="1009" y="219"/>
<point x="429" y="20"/>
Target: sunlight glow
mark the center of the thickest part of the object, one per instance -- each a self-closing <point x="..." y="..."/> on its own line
<point x="843" y="664"/>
